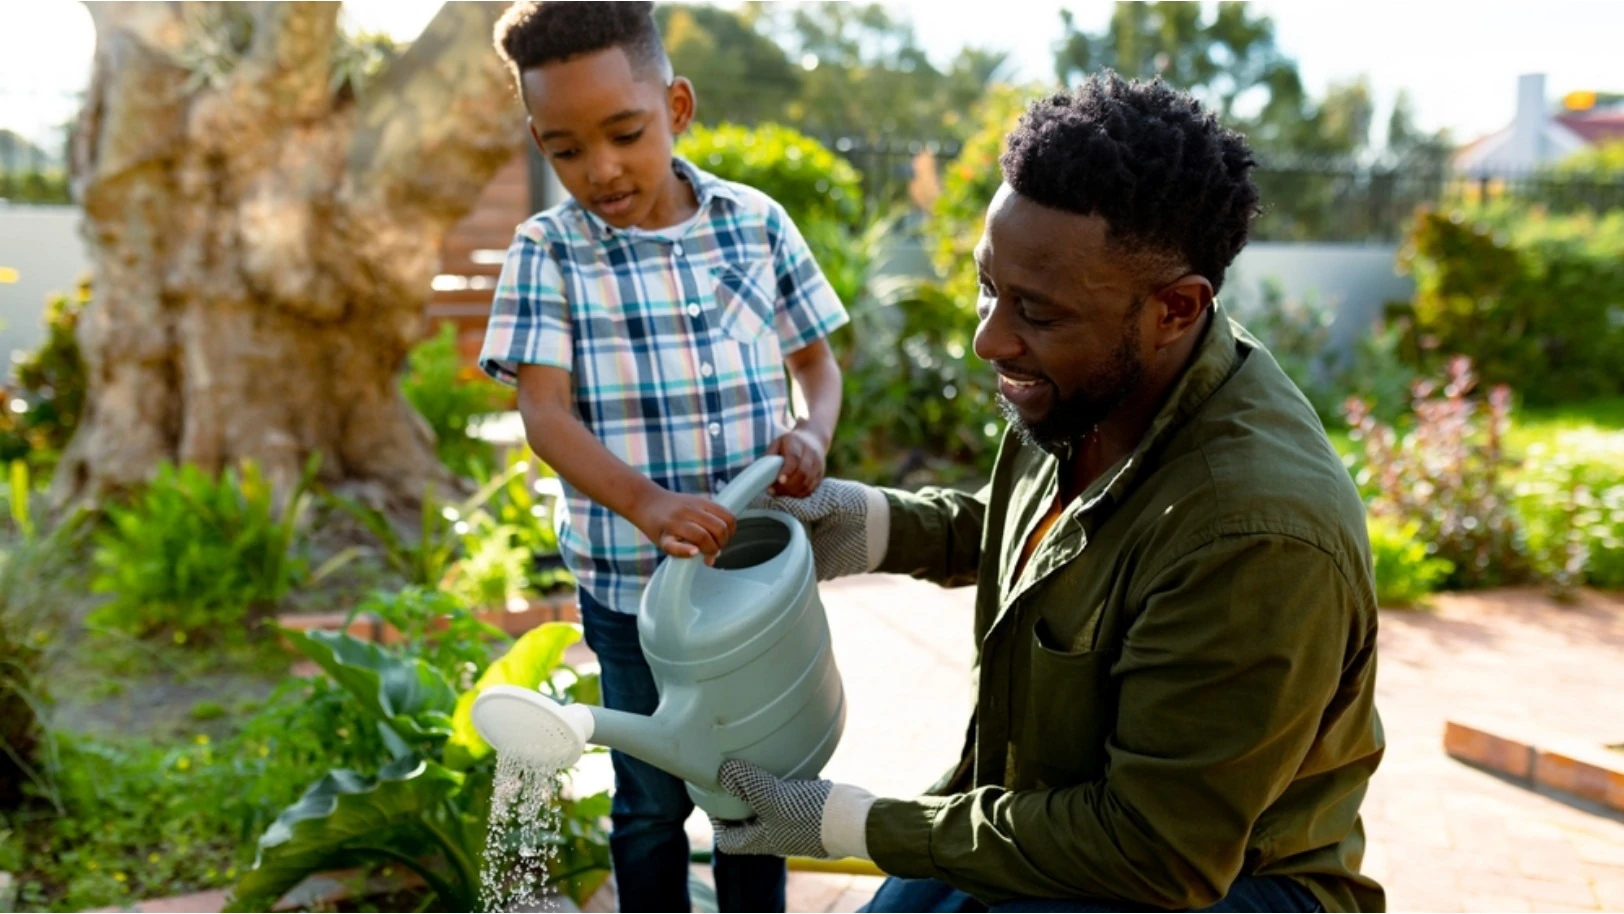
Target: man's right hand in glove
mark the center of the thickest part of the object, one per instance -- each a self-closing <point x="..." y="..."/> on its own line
<point x="848" y="523"/>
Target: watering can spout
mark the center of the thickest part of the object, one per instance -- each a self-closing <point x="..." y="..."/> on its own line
<point x="529" y="726"/>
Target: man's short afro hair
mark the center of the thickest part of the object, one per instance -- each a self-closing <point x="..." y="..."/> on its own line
<point x="1169" y="180"/>
<point x="532" y="34"/>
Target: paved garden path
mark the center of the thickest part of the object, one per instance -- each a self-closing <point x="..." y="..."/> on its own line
<point x="1443" y="836"/>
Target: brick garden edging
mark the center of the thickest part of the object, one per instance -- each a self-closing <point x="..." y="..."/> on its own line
<point x="1591" y="772"/>
<point x="368" y="627"/>
<point x="320" y="889"/>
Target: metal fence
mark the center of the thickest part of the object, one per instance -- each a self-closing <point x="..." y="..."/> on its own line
<point x="1331" y="202"/>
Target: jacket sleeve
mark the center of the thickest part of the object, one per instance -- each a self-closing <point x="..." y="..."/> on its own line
<point x="936" y="534"/>
<point x="1223" y="679"/>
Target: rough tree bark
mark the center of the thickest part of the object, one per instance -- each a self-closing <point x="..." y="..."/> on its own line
<point x="263" y="245"/>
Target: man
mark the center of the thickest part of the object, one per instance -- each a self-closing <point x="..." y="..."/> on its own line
<point x="1175" y="613"/>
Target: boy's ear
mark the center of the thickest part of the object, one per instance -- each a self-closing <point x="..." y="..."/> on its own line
<point x="679" y="98"/>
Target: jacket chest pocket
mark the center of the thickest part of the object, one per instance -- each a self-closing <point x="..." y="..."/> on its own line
<point x="746" y="302"/>
<point x="1067" y="714"/>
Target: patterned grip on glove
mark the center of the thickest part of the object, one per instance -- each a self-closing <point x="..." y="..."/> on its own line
<point x="837" y="519"/>
<point x="789" y="814"/>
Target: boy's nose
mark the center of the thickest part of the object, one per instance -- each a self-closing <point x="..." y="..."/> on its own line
<point x="604" y="169"/>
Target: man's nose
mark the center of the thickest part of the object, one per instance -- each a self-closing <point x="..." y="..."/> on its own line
<point x="994" y="341"/>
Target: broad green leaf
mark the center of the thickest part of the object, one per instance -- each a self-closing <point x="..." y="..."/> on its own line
<point x="343" y="817"/>
<point x="407" y="694"/>
<point x="529" y="663"/>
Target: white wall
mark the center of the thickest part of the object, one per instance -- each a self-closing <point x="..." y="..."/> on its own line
<point x="1353" y="280"/>
<point x="42" y="244"/>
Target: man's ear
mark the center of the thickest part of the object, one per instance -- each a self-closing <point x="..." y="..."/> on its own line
<point x="679" y="98"/>
<point x="1183" y="302"/>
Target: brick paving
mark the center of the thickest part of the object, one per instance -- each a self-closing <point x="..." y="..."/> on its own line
<point x="1442" y="836"/>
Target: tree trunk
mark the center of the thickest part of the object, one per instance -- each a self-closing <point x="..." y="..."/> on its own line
<point x="263" y="245"/>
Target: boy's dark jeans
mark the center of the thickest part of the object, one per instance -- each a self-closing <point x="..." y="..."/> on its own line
<point x="648" y="843"/>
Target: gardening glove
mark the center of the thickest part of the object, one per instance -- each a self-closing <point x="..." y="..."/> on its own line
<point x="793" y="818"/>
<point x="848" y="523"/>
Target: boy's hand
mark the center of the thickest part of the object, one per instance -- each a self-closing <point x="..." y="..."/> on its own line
<point x="685" y="525"/>
<point x="804" y="453"/>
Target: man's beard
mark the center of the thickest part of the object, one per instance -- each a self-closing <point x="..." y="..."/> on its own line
<point x="1073" y="418"/>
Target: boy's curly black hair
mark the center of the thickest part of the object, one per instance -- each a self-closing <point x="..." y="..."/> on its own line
<point x="1168" y="179"/>
<point x="532" y="34"/>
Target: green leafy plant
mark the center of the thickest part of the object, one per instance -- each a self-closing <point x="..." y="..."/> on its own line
<point x="495" y="568"/>
<point x="197" y="556"/>
<point x="527" y="508"/>
<point x="36" y="185"/>
<point x="1549" y="285"/>
<point x="812" y="183"/>
<point x="1570" y="494"/>
<point x="1405" y="574"/>
<point x="425" y="808"/>
<point x="133" y="819"/>
<point x="28" y="632"/>
<point x="450" y="395"/>
<point x="438" y="626"/>
<point x="1297" y="332"/>
<point x="478" y="548"/>
<point x="1447" y="474"/>
<point x="46" y="397"/>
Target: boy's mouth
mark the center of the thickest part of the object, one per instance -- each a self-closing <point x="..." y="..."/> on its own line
<point x="615" y="205"/>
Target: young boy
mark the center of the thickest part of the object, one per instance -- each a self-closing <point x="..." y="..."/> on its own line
<point x="647" y="323"/>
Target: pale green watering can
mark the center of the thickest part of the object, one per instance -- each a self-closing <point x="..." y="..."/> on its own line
<point x="740" y="651"/>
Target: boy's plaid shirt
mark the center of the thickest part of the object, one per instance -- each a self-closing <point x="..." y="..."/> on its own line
<point x="675" y="345"/>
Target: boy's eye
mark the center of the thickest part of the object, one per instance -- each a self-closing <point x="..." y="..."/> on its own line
<point x="566" y="154"/>
<point x="629" y="138"/>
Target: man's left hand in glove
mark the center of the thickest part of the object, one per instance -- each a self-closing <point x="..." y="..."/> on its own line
<point x="793" y="818"/>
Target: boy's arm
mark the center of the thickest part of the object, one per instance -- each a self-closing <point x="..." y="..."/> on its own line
<point x="804" y="449"/>
<point x="682" y="525"/>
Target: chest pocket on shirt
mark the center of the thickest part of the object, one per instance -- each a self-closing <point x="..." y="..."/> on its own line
<point x="1068" y="713"/>
<point x="746" y="298"/>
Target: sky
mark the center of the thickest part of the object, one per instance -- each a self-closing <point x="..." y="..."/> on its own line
<point x="1458" y="60"/>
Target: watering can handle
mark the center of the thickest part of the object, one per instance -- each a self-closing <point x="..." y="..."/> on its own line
<point x="735" y="498"/>
<point x="755" y="479"/>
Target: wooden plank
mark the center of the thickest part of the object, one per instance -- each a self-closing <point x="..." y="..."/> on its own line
<point x="462" y="266"/>
<point x="463" y="297"/>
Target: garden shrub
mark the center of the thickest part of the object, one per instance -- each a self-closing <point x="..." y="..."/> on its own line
<point x="1405" y="573"/>
<point x="1534" y="299"/>
<point x="450" y="395"/>
<point x="925" y="406"/>
<point x="813" y="184"/>
<point x="1298" y="334"/>
<point x="41" y="406"/>
<point x="197" y="556"/>
<point x="483" y="549"/>
<point x="1570" y="494"/>
<point x="424" y="801"/>
<point x="132" y="819"/>
<point x="32" y="568"/>
<point x="1447" y="473"/>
